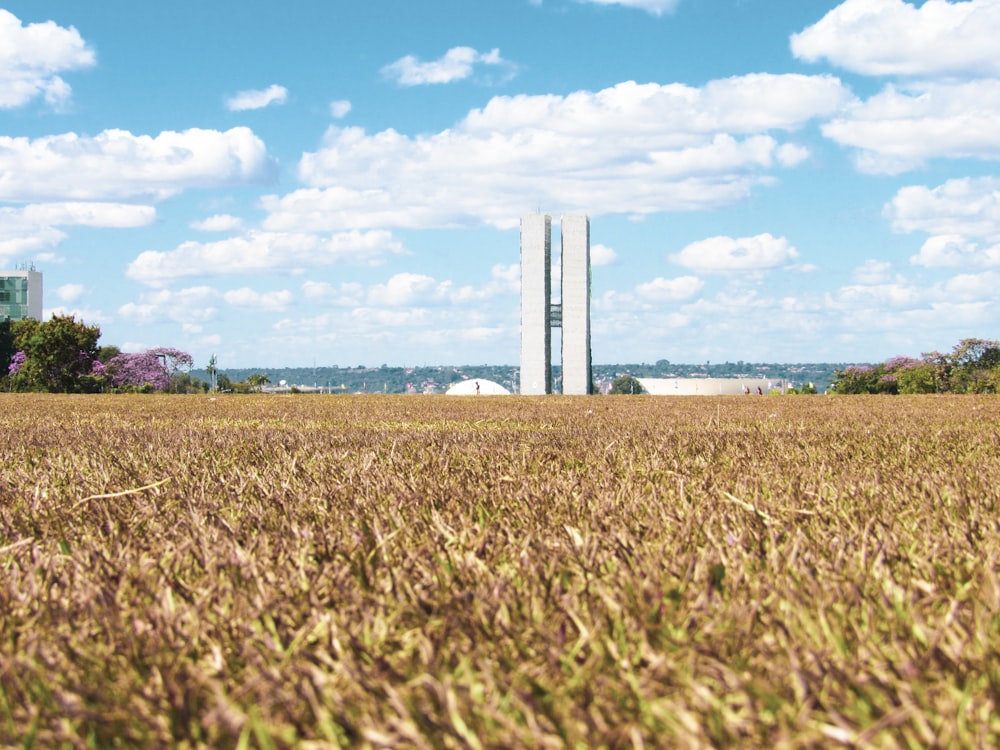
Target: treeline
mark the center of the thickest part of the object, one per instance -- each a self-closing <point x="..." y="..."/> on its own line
<point x="973" y="366"/>
<point x="62" y="355"/>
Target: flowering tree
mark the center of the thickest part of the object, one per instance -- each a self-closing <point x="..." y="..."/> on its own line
<point x="56" y="355"/>
<point x="973" y="366"/>
<point x="153" y="368"/>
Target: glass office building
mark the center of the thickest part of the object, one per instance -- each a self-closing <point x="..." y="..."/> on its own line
<point x="20" y="295"/>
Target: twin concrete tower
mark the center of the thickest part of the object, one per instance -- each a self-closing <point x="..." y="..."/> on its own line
<point x="539" y="315"/>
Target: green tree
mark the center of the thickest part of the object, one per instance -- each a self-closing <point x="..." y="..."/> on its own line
<point x="257" y="381"/>
<point x="626" y="385"/>
<point x="971" y="366"/>
<point x="59" y="355"/>
<point x="7" y="348"/>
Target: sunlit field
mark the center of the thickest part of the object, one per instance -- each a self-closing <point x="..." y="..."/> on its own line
<point x="501" y="572"/>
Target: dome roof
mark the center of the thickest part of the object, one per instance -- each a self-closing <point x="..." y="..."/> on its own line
<point x="486" y="388"/>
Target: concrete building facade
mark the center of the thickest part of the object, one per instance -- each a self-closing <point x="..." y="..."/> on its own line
<point x="538" y="313"/>
<point x="20" y="294"/>
<point x="536" y="300"/>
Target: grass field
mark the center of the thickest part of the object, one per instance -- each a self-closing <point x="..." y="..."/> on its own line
<point x="439" y="572"/>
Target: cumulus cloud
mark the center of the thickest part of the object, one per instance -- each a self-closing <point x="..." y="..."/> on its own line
<point x="602" y="255"/>
<point x="339" y="108"/>
<point x="70" y="293"/>
<point x="962" y="217"/>
<point x="901" y="128"/>
<point x="257" y="98"/>
<point x="260" y="252"/>
<point x="966" y="288"/>
<point x="345" y="294"/>
<point x="670" y="290"/>
<point x="892" y="37"/>
<point x="952" y="250"/>
<point x="31" y="58"/>
<point x="191" y="307"/>
<point x="32" y="230"/>
<point x="967" y="207"/>
<point x="251" y="299"/>
<point x="656" y="7"/>
<point x="116" y="165"/>
<point x="872" y="272"/>
<point x="631" y="149"/>
<point x="408" y="289"/>
<point x="89" y="214"/>
<point x="457" y="64"/>
<point x="218" y="223"/>
<point x="715" y="254"/>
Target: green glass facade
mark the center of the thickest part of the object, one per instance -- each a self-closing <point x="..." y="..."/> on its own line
<point x="20" y="295"/>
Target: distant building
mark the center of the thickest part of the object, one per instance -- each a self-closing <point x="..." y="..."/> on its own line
<point x="539" y="315"/>
<point x="21" y="294"/>
<point x="708" y="386"/>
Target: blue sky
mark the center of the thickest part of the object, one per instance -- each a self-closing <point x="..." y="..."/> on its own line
<point x="340" y="183"/>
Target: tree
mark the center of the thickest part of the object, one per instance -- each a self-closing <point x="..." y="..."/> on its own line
<point x="972" y="366"/>
<point x="152" y="369"/>
<point x="627" y="385"/>
<point x="7" y="348"/>
<point x="58" y="355"/>
<point x="212" y="369"/>
<point x="257" y="381"/>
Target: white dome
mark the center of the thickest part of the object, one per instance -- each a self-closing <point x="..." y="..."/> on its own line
<point x="486" y="388"/>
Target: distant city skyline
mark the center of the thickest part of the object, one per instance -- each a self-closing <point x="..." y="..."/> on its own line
<point x="342" y="183"/>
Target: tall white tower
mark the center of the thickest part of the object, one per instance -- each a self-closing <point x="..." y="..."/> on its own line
<point x="536" y="301"/>
<point x="539" y="316"/>
<point x="576" y="371"/>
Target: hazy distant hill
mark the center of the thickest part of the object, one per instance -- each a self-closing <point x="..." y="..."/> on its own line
<point x="386" y="379"/>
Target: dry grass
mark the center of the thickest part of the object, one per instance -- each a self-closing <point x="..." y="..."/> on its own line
<point x="499" y="572"/>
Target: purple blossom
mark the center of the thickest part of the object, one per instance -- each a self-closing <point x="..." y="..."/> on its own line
<point x="901" y="363"/>
<point x="138" y="370"/>
<point x="16" y="363"/>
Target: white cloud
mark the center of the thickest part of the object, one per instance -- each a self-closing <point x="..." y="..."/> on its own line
<point x="602" y="255"/>
<point x="962" y="217"/>
<point x="31" y="229"/>
<point x="966" y="288"/>
<point x="17" y="242"/>
<point x="257" y="98"/>
<point x="339" y="109"/>
<point x="968" y="207"/>
<point x="190" y="307"/>
<point x="70" y="293"/>
<point x="117" y="165"/>
<point x="758" y="253"/>
<point x="89" y="214"/>
<point x="345" y="294"/>
<point x="631" y="149"/>
<point x="670" y="290"/>
<point x="872" y="272"/>
<point x="251" y="299"/>
<point x="408" y="289"/>
<point x="32" y="56"/>
<point x="902" y="128"/>
<point x="457" y="64"/>
<point x="868" y="296"/>
<point x="952" y="250"/>
<point x="258" y="252"/>
<point x="656" y="7"/>
<point x="218" y="223"/>
<point x="892" y="37"/>
<point x="82" y="314"/>
<point x="412" y="289"/>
